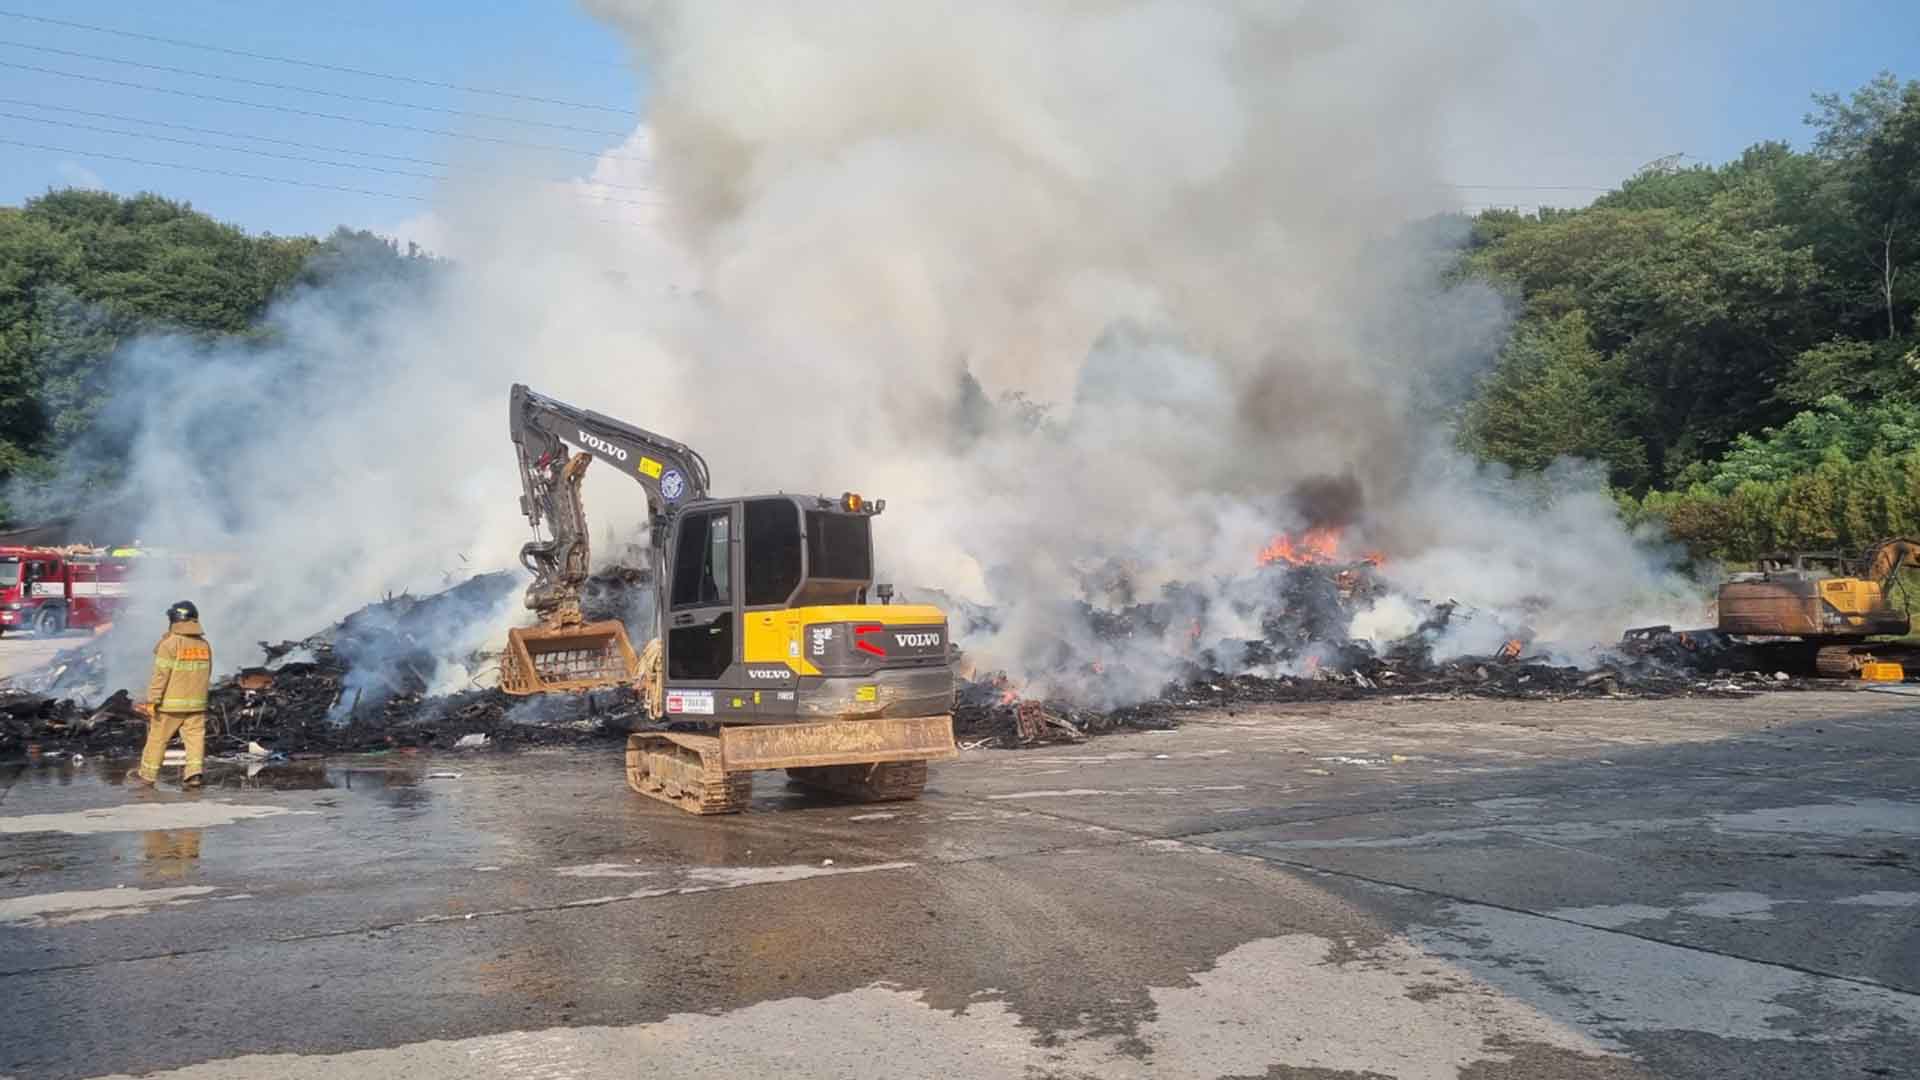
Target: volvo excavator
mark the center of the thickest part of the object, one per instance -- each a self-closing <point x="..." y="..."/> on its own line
<point x="772" y="647"/>
<point x="1823" y="607"/>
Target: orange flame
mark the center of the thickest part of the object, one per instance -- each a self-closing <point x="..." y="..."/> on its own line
<point x="1316" y="545"/>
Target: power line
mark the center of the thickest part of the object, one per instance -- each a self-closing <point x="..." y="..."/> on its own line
<point x="216" y="146"/>
<point x="315" y="64"/>
<point x="335" y="94"/>
<point x="295" y="111"/>
<point x="234" y="174"/>
<point x="282" y="142"/>
<point x="206" y="169"/>
<point x="286" y="157"/>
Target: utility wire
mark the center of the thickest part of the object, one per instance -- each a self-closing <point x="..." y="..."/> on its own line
<point x="450" y="86"/>
<point x="292" y="110"/>
<point x="206" y="169"/>
<point x="215" y="146"/>
<point x="248" y="176"/>
<point x="335" y="94"/>
<point x="287" y="157"/>
<point x="338" y="68"/>
<point x="412" y="80"/>
<point x="286" y="142"/>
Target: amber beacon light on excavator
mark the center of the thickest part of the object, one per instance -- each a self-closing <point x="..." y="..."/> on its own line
<point x="772" y="648"/>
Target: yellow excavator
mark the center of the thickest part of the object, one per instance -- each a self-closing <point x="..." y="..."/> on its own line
<point x="772" y="646"/>
<point x="1825" y="606"/>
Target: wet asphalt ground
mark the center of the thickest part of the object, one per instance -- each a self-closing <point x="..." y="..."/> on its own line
<point x="24" y="652"/>
<point x="1416" y="889"/>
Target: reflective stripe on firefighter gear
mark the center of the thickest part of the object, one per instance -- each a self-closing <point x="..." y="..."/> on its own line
<point x="192" y="729"/>
<point x="182" y="668"/>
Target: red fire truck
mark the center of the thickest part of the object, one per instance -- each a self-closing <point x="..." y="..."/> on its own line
<point x="49" y="590"/>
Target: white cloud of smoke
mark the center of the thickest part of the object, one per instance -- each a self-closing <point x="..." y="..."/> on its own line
<point x="1181" y="227"/>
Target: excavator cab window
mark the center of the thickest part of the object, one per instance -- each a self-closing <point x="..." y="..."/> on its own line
<point x="772" y="557"/>
<point x="839" y="557"/>
<point x="700" y="635"/>
<point x="701" y="561"/>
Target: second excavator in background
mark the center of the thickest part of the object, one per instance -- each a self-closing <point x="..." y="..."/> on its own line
<point x="1820" y="609"/>
<point x="771" y="646"/>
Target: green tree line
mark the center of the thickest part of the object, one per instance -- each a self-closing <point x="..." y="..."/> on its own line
<point x="83" y="272"/>
<point x="1735" y="343"/>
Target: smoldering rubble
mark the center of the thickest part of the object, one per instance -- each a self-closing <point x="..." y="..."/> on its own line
<point x="383" y="676"/>
<point x="379" y="678"/>
<point x="1305" y="654"/>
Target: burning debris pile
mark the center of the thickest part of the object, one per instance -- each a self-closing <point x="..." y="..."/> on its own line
<point x="1307" y="601"/>
<point x="413" y="671"/>
<point x="406" y="671"/>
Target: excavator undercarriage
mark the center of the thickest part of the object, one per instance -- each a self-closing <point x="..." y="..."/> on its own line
<point x="712" y="773"/>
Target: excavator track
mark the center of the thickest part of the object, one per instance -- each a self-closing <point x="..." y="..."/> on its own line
<point x="892" y="781"/>
<point x="685" y="770"/>
<point x="1840" y="661"/>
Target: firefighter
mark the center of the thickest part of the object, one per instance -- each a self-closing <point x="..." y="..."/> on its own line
<point x="177" y="696"/>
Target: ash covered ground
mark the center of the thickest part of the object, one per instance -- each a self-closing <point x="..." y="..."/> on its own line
<point x="383" y="677"/>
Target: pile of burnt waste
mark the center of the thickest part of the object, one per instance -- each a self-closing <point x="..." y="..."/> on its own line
<point x="405" y="671"/>
<point x="1304" y="655"/>
<point x="415" y="670"/>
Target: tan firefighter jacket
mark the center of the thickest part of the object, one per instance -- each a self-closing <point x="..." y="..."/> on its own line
<point x="182" y="668"/>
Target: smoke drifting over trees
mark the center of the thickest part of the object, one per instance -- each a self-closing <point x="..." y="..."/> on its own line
<point x="1099" y="296"/>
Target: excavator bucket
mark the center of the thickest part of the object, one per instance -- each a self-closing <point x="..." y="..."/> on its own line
<point x="591" y="656"/>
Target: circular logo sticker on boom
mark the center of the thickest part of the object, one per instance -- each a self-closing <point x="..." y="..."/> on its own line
<point x="672" y="485"/>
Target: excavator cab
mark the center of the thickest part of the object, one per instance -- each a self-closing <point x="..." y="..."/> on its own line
<point x="768" y="617"/>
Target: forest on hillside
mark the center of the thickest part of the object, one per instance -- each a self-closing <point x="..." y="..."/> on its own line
<point x="84" y="273"/>
<point x="1735" y="344"/>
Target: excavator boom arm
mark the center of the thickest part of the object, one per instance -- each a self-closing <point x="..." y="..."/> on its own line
<point x="1886" y="558"/>
<point x="672" y="472"/>
<point x="542" y="428"/>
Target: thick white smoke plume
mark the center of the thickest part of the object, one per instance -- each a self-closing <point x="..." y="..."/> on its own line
<point x="1098" y="295"/>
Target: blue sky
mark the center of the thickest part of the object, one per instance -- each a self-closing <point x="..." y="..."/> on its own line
<point x="531" y="47"/>
<point x="1709" y="79"/>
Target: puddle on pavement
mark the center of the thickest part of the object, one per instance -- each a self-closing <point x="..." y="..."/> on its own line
<point x="357" y="774"/>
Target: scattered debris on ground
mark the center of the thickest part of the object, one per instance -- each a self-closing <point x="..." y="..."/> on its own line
<point x="395" y="673"/>
<point x="1305" y="656"/>
<point x="406" y="672"/>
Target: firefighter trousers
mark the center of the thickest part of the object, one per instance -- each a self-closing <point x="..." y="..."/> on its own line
<point x="192" y="729"/>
